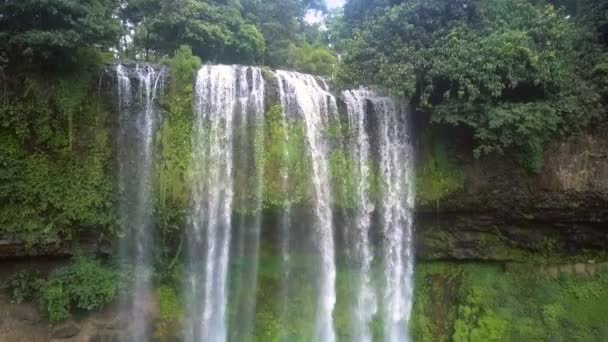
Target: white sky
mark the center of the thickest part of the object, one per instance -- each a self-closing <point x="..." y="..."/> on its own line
<point x="335" y="3"/>
<point x="313" y="17"/>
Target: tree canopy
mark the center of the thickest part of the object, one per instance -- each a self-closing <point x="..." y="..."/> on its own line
<point x="516" y="72"/>
<point x="51" y="30"/>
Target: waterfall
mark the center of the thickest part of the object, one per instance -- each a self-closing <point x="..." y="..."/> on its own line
<point x="223" y="95"/>
<point x="365" y="305"/>
<point x="302" y="94"/>
<point x="229" y="176"/>
<point x="138" y="89"/>
<point x="396" y="172"/>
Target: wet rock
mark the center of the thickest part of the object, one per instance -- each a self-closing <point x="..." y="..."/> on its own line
<point x="25" y="313"/>
<point x="565" y="269"/>
<point x="65" y="330"/>
<point x="580" y="269"/>
<point x="504" y="213"/>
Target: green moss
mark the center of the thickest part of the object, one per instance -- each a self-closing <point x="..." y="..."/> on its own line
<point x="168" y="325"/>
<point x="488" y="303"/>
<point x="437" y="175"/>
<point x="55" y="153"/>
<point x="284" y="150"/>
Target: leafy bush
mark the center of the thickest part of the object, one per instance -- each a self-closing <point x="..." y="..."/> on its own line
<point x="57" y="302"/>
<point x="25" y="286"/>
<point x="84" y="284"/>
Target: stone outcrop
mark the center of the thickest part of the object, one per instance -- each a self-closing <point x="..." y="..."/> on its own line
<point x="23" y="322"/>
<point x="505" y="213"/>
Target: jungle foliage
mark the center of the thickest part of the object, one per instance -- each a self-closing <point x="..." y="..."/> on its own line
<point x="517" y="73"/>
<point x="82" y="285"/>
<point x="55" y="154"/>
<point x="475" y="302"/>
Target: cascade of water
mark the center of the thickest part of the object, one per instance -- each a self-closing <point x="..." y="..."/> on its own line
<point x="286" y="215"/>
<point x="139" y="118"/>
<point x="223" y="96"/>
<point x="394" y="155"/>
<point x="396" y="171"/>
<point x="302" y="94"/>
<point x="249" y="152"/>
<point x="365" y="305"/>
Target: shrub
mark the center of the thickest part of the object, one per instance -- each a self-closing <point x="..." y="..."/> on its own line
<point x="25" y="286"/>
<point x="84" y="284"/>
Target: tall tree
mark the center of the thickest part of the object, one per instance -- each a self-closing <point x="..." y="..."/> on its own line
<point x="282" y="23"/>
<point x="215" y="30"/>
<point x="49" y="31"/>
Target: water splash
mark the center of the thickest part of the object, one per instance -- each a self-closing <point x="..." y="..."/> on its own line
<point x="138" y="89"/>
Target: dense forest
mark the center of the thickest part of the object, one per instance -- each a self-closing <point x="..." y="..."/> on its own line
<point x="487" y="78"/>
<point x="513" y="75"/>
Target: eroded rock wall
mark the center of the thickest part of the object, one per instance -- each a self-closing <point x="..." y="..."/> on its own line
<point x="506" y="213"/>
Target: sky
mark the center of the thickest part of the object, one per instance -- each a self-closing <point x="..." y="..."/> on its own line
<point x="313" y="17"/>
<point x="335" y="3"/>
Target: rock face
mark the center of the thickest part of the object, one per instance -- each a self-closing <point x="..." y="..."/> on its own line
<point x="504" y="212"/>
<point x="24" y="323"/>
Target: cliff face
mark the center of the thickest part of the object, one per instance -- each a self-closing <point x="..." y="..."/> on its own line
<point x="504" y="213"/>
<point x="498" y="212"/>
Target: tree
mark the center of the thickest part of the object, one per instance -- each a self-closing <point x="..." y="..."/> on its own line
<point x="215" y="30"/>
<point x="509" y="70"/>
<point x="312" y="59"/>
<point x="282" y="23"/>
<point x="49" y="31"/>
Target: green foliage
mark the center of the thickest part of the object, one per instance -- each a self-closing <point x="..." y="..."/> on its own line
<point x="84" y="284"/>
<point x="214" y="29"/>
<point x="282" y="24"/>
<point x="519" y="305"/>
<point x="437" y="175"/>
<point x="284" y="152"/>
<point x="173" y="171"/>
<point x="343" y="178"/>
<point x="312" y="59"/>
<point x="171" y="313"/>
<point x="25" y="286"/>
<point x="49" y="31"/>
<point x="57" y="302"/>
<point x="512" y="71"/>
<point x="54" y="155"/>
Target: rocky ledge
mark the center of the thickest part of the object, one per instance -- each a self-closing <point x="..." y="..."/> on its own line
<point x="504" y="213"/>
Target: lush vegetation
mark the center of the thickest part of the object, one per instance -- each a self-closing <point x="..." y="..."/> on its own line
<point x="83" y="285"/>
<point x="516" y="73"/>
<point x="476" y="302"/>
<point x="55" y="154"/>
<point x="512" y="74"/>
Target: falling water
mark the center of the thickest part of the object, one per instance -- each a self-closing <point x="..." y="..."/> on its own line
<point x="304" y="95"/>
<point x="248" y="158"/>
<point x="396" y="172"/>
<point x="138" y="89"/>
<point x="223" y="95"/>
<point x="286" y="219"/>
<point x="365" y="305"/>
